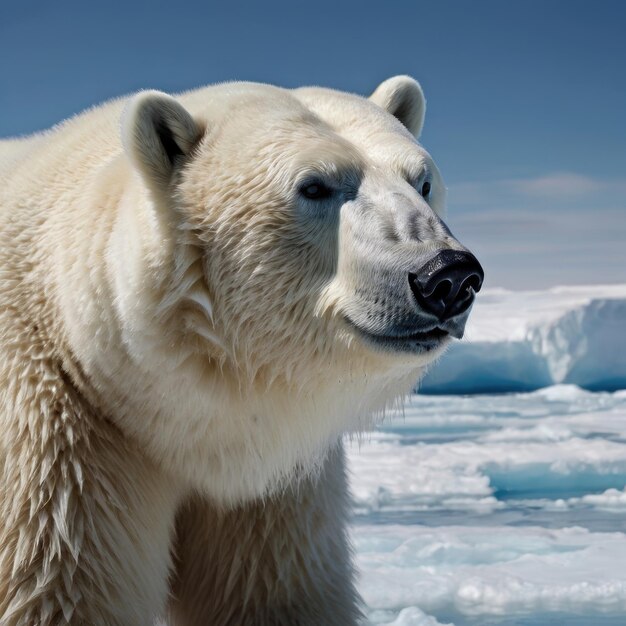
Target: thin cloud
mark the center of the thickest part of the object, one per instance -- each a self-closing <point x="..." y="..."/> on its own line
<point x="559" y="185"/>
<point x="561" y="228"/>
<point x="562" y="188"/>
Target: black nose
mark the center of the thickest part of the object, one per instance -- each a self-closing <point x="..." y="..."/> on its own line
<point x="446" y="285"/>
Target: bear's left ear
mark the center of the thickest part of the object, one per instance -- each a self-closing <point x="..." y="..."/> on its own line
<point x="403" y="97"/>
<point x="158" y="133"/>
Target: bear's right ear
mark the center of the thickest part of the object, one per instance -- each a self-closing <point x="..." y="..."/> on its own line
<point x="158" y="133"/>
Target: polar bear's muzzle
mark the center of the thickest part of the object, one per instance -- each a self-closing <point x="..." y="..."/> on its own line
<point x="415" y="304"/>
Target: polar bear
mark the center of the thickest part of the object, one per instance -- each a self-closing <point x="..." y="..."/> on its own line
<point x="198" y="296"/>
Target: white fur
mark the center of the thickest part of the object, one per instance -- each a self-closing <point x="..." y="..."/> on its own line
<point x="172" y="329"/>
<point x="403" y="97"/>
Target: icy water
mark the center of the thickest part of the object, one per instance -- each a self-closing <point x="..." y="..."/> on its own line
<point x="505" y="510"/>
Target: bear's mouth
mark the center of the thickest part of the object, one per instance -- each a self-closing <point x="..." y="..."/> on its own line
<point x="417" y="342"/>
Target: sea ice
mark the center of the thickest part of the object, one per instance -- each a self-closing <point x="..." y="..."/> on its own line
<point x="454" y="452"/>
<point x="491" y="570"/>
<point x="499" y="510"/>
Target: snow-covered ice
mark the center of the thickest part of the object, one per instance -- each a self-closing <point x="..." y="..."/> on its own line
<point x="492" y="571"/>
<point x="524" y="340"/>
<point x="499" y="510"/>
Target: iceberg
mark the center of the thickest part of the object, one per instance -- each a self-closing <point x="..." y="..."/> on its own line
<point x="525" y="340"/>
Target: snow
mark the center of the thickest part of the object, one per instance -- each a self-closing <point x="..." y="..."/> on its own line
<point x="609" y="500"/>
<point x="411" y="616"/>
<point x="499" y="510"/>
<point x="524" y="340"/>
<point x="491" y="571"/>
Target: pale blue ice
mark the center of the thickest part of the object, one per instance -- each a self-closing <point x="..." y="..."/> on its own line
<point x="500" y="510"/>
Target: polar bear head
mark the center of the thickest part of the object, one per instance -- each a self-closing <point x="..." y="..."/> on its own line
<point x="307" y="263"/>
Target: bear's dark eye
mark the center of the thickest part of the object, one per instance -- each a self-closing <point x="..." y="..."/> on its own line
<point x="425" y="191"/>
<point x="316" y="190"/>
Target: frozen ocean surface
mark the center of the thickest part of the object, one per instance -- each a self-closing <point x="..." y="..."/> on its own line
<point x="494" y="510"/>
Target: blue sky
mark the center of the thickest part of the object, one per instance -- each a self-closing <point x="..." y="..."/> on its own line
<point x="526" y="100"/>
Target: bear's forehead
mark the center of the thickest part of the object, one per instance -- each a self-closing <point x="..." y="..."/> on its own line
<point x="303" y="123"/>
<point x="345" y="111"/>
<point x="338" y="109"/>
<point x="374" y="133"/>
